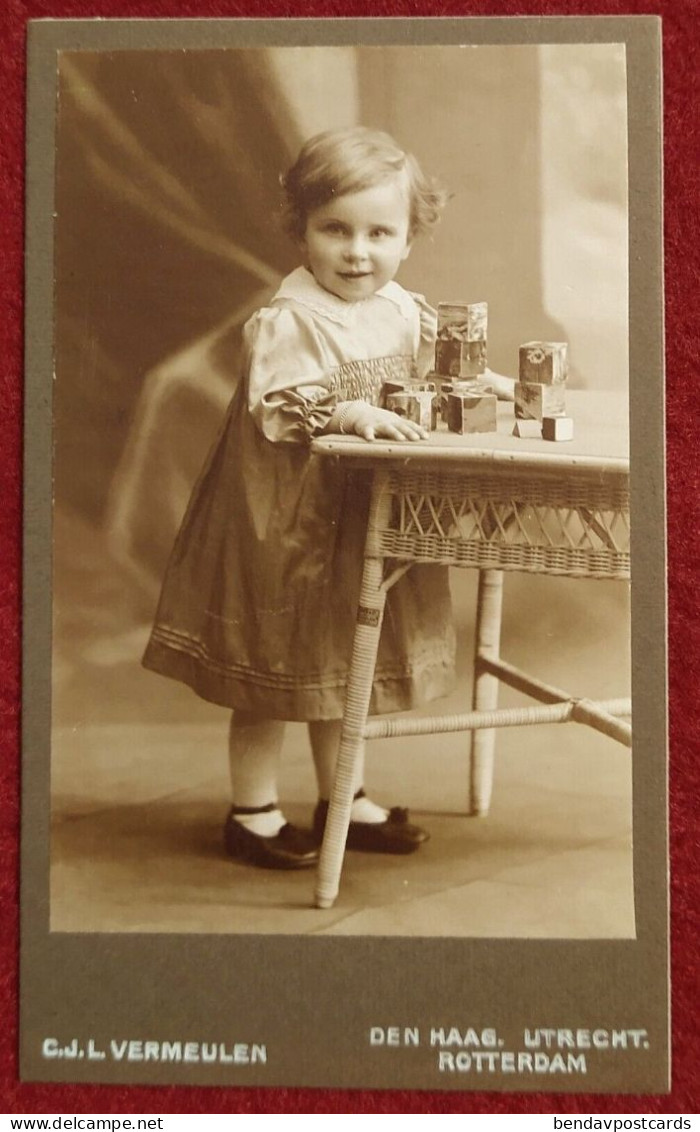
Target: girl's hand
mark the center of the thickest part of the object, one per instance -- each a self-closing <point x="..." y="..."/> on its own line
<point x="372" y="423"/>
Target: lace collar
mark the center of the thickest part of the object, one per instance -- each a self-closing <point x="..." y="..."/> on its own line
<point x="303" y="288"/>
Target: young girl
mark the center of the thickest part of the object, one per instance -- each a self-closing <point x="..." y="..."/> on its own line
<point x="259" y="601"/>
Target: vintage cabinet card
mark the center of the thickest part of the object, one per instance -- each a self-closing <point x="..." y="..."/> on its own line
<point x="509" y="931"/>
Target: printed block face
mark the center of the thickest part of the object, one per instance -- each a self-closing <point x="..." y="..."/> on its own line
<point x="390" y="387"/>
<point x="530" y="429"/>
<point x="459" y="358"/>
<point x="558" y="428"/>
<point x="445" y="388"/>
<point x="466" y="385"/>
<point x="535" y="400"/>
<point x="544" y="362"/>
<point x="471" y="412"/>
<point x="420" y="407"/>
<point x="462" y="322"/>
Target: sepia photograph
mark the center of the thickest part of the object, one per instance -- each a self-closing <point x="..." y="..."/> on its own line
<point x="344" y="555"/>
<point x="203" y="256"/>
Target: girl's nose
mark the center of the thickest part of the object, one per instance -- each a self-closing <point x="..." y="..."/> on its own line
<point x="356" y="248"/>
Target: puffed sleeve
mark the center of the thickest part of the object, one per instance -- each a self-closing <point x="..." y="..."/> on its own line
<point x="289" y="392"/>
<point x="425" y="348"/>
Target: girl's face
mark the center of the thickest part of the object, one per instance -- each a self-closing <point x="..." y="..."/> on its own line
<point x="355" y="243"/>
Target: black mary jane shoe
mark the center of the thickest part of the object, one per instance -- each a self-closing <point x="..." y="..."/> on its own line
<point x="291" y="848"/>
<point x="395" y="835"/>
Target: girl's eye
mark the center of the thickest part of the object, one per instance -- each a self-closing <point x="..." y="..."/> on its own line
<point x="333" y="228"/>
<point x="379" y="233"/>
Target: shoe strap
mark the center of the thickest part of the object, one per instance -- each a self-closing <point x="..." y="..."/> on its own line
<point x="255" y="809"/>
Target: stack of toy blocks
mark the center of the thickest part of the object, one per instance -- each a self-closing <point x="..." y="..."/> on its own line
<point x="466" y="402"/>
<point x="540" y="394"/>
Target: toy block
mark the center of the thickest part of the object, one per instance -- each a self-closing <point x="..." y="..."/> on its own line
<point x="557" y="428"/>
<point x="462" y="322"/>
<point x="534" y="399"/>
<point x="445" y="388"/>
<point x="529" y="428"/>
<point x="390" y="387"/>
<point x="432" y="383"/>
<point x="468" y="385"/>
<point x="457" y="358"/>
<point x="471" y="412"/>
<point x="545" y="363"/>
<point x="419" y="407"/>
<point x="463" y="385"/>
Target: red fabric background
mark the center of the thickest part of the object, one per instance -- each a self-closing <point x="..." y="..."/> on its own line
<point x="682" y="190"/>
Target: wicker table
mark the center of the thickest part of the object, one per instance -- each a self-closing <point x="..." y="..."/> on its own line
<point x="492" y="502"/>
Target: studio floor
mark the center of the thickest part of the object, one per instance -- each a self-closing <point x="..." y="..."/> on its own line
<point x="140" y="787"/>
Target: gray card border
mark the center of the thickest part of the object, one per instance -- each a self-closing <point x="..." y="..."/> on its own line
<point x="289" y="992"/>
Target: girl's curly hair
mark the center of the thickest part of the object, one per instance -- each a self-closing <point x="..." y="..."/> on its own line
<point x="337" y="162"/>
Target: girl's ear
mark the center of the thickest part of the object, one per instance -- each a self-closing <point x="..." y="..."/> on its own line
<point x="407" y="250"/>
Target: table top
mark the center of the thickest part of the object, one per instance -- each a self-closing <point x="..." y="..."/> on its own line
<point x="601" y="441"/>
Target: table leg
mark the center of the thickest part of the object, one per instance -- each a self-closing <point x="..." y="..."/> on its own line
<point x="485" y="693"/>
<point x="357" y="697"/>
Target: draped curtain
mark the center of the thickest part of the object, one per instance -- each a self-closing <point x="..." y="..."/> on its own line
<point x="168" y="237"/>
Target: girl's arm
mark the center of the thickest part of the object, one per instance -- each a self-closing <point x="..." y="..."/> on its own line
<point x="503" y="387"/>
<point x="427" y="333"/>
<point x="289" y="393"/>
